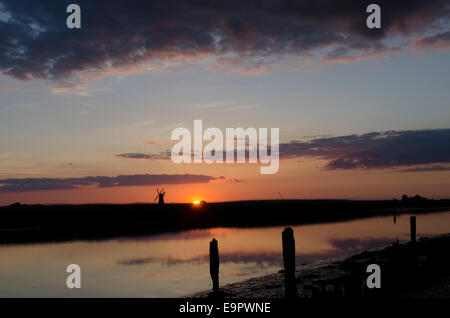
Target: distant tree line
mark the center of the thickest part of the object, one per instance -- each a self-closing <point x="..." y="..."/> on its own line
<point x="416" y="198"/>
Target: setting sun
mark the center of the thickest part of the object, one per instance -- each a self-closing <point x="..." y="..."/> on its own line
<point x="197" y="202"/>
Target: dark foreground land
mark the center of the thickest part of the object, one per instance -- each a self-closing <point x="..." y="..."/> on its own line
<point x="47" y="223"/>
<point x="412" y="270"/>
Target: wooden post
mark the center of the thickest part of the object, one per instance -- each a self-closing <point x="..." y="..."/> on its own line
<point x="214" y="264"/>
<point x="412" y="222"/>
<point x="289" y="262"/>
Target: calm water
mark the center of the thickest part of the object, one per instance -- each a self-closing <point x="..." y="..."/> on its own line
<point x="172" y="265"/>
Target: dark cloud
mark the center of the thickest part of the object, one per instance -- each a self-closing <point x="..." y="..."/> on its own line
<point x="138" y="155"/>
<point x="427" y="169"/>
<point x="166" y="155"/>
<point x="376" y="150"/>
<point x="115" y="34"/>
<point x="36" y="184"/>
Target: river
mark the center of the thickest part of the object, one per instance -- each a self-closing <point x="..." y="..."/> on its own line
<point x="177" y="264"/>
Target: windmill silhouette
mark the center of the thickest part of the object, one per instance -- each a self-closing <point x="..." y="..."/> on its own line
<point x="160" y="195"/>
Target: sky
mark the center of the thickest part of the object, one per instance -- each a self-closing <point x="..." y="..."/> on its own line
<point x="86" y="114"/>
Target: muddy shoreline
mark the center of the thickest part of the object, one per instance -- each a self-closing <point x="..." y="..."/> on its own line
<point x="410" y="270"/>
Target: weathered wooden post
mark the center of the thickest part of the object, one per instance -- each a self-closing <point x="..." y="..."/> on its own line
<point x="412" y="223"/>
<point x="289" y="262"/>
<point x="394" y="210"/>
<point x="414" y="255"/>
<point x="214" y="264"/>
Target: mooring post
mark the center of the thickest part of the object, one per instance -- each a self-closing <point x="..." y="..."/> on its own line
<point x="214" y="264"/>
<point x="414" y="251"/>
<point x="412" y="222"/>
<point x="289" y="262"/>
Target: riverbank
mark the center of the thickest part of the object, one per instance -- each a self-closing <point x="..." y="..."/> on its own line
<point x="54" y="223"/>
<point x="411" y="270"/>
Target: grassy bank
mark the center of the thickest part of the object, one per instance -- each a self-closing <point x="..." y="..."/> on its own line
<point x="47" y="223"/>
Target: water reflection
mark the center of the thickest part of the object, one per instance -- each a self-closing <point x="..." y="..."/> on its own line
<point x="338" y="247"/>
<point x="176" y="264"/>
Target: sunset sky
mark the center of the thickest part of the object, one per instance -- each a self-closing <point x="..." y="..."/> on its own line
<point x="363" y="114"/>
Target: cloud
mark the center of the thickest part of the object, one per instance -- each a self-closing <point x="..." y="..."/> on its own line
<point x="144" y="156"/>
<point x="427" y="169"/>
<point x="16" y="89"/>
<point x="347" y="55"/>
<point x="222" y="179"/>
<point x="38" y="184"/>
<point x="439" y="41"/>
<point x="376" y="150"/>
<point x="252" y="35"/>
<point x="78" y="90"/>
<point x="166" y="155"/>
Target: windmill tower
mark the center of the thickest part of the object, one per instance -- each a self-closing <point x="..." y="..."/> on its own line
<point x="160" y="196"/>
